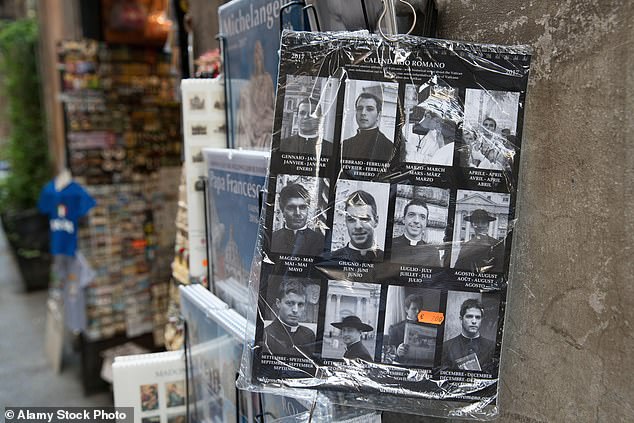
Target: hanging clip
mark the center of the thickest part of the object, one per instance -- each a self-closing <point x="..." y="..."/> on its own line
<point x="312" y="9"/>
<point x="365" y="15"/>
<point x="384" y="12"/>
<point x="222" y="41"/>
<point x="287" y="6"/>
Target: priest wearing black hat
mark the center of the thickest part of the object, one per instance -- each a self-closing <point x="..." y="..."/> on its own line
<point x="351" y="328"/>
<point x="481" y="253"/>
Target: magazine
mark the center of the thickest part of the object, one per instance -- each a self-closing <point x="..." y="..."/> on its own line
<point x="236" y="179"/>
<point x="469" y="362"/>
<point x="249" y="29"/>
<point x="154" y="384"/>
<point x="386" y="230"/>
<point x="421" y="342"/>
<point x="214" y="357"/>
<point x="203" y="126"/>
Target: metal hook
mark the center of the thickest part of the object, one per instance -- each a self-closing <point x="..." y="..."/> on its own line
<point x="383" y="13"/>
<point x="289" y="5"/>
<point x="311" y="7"/>
<point x="365" y="16"/>
<point x="222" y="40"/>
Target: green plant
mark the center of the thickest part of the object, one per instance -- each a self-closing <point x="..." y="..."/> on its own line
<point x="27" y="148"/>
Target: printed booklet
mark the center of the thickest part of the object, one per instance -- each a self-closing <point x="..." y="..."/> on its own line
<point x="250" y="30"/>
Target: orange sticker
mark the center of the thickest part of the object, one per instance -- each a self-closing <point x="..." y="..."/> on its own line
<point x="205" y="263"/>
<point x="432" y="317"/>
<point x="139" y="243"/>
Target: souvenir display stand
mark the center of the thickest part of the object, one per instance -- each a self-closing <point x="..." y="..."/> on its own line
<point x="374" y="175"/>
<point x="123" y="145"/>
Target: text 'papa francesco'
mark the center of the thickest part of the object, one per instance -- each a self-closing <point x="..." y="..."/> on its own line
<point x="235" y="186"/>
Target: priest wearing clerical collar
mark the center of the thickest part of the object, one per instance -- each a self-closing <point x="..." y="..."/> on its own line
<point x="481" y="253"/>
<point x="369" y="142"/>
<point x="351" y="328"/>
<point x="469" y="350"/>
<point x="361" y="221"/>
<point x="285" y="335"/>
<point x="410" y="247"/>
<point x="296" y="238"/>
<point x="308" y="138"/>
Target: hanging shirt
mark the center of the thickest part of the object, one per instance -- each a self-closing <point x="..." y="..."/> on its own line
<point x="64" y="209"/>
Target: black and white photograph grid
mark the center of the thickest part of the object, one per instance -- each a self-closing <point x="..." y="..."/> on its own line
<point x="480" y="227"/>
<point x="350" y="321"/>
<point x="420" y="225"/>
<point x="299" y="221"/>
<point x="433" y="112"/>
<point x="360" y="220"/>
<point x="405" y="340"/>
<point x="471" y="322"/>
<point x="369" y="119"/>
<point x="489" y="132"/>
<point x="290" y="311"/>
<point x="308" y="114"/>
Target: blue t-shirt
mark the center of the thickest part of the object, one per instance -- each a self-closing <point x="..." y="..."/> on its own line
<point x="64" y="209"/>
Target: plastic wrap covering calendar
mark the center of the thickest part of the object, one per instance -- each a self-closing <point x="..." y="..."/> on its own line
<point x="381" y="275"/>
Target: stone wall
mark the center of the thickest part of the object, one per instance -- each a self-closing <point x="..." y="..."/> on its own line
<point x="567" y="354"/>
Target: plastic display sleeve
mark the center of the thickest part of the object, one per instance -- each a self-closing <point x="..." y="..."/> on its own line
<point x="380" y="278"/>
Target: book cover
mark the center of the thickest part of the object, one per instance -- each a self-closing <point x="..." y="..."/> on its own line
<point x="215" y="352"/>
<point x="469" y="362"/>
<point x="154" y="384"/>
<point x="203" y="126"/>
<point x="421" y="343"/>
<point x="250" y="29"/>
<point x="236" y="179"/>
<point x="214" y="364"/>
